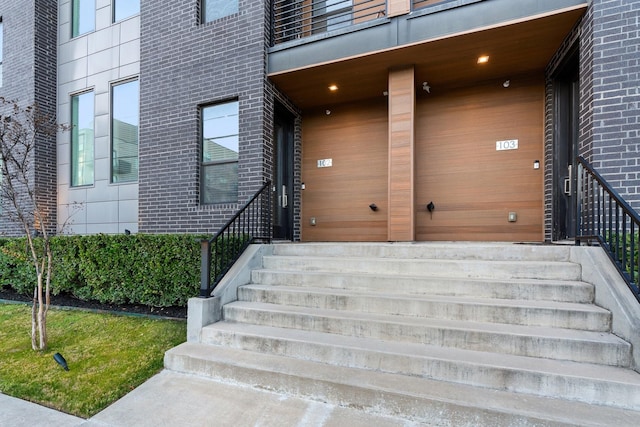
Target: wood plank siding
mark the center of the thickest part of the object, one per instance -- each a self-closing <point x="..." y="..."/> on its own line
<point x="355" y="138"/>
<point x="400" y="157"/>
<point x="401" y="154"/>
<point x="474" y="186"/>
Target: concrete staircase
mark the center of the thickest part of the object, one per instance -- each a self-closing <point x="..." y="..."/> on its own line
<point x="435" y="334"/>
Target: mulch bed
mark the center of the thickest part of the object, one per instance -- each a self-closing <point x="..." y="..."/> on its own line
<point x="69" y="301"/>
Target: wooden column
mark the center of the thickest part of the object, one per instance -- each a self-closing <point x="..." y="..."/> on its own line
<point x="398" y="7"/>
<point x="401" y="221"/>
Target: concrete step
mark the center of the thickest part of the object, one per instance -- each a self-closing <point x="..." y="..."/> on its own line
<point x="557" y="270"/>
<point x="429" y="250"/>
<point x="291" y="302"/>
<point x="508" y="338"/>
<point x="526" y="289"/>
<point x="419" y="400"/>
<point x="545" y="377"/>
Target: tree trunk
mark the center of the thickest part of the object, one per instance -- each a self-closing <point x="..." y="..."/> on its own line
<point x="34" y="330"/>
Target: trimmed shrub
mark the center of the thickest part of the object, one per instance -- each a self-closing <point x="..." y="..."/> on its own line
<point x="154" y="270"/>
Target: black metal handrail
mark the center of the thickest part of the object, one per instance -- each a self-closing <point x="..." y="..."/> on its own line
<point x="295" y="19"/>
<point x="250" y="224"/>
<point x="603" y="215"/>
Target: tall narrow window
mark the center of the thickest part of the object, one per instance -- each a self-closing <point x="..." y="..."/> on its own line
<point x="83" y="16"/>
<point x="125" y="8"/>
<point x="124" y="131"/>
<point x="216" y="9"/>
<point x="220" y="129"/>
<point x="82" y="115"/>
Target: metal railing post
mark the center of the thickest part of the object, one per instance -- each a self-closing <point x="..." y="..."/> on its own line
<point x="205" y="268"/>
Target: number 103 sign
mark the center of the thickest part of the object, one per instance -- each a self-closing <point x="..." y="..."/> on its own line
<point x="510" y="144"/>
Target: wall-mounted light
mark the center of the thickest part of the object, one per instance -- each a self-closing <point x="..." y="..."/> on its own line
<point x="373" y="207"/>
<point x="506" y="83"/>
<point x="327" y="112"/>
<point x="483" y="59"/>
<point x="333" y="88"/>
<point x="426" y="87"/>
<point x="536" y="164"/>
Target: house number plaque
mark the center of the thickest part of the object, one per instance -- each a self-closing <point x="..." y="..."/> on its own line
<point x="510" y="144"/>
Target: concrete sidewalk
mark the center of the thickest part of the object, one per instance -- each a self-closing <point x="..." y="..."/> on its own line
<point x="176" y="399"/>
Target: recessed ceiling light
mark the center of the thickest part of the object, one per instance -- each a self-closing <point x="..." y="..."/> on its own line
<point x="483" y="59"/>
<point x="333" y="88"/>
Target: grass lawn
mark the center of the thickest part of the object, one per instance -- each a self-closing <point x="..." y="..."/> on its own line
<point x="108" y="356"/>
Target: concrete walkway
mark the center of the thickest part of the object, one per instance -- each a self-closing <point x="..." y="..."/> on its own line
<point x="172" y="399"/>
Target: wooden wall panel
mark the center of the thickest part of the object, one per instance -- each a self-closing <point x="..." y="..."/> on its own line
<point x="363" y="11"/>
<point x="398" y="7"/>
<point x="354" y="137"/>
<point x="472" y="185"/>
<point x="401" y="154"/>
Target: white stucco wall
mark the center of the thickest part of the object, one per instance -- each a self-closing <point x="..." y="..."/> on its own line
<point x="95" y="61"/>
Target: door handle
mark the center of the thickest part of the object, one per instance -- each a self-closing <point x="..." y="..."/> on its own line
<point x="567" y="181"/>
<point x="285" y="199"/>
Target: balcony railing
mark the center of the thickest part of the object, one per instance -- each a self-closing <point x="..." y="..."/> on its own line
<point x="295" y="19"/>
<point x="419" y="4"/>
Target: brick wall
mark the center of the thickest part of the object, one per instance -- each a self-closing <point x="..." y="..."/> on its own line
<point x="185" y="65"/>
<point x="615" y="141"/>
<point x="29" y="76"/>
<point x="45" y="83"/>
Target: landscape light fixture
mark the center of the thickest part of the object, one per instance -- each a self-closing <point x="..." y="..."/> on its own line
<point x="61" y="361"/>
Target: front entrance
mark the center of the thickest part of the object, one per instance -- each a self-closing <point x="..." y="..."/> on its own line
<point x="283" y="174"/>
<point x="566" y="111"/>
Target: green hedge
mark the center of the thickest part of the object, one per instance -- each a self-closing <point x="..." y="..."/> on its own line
<point x="155" y="270"/>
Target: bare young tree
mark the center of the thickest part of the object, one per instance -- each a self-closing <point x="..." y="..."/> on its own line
<point x="23" y="129"/>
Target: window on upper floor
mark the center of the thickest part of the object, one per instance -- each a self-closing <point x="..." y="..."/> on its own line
<point x="220" y="141"/>
<point x="123" y="9"/>
<point x="82" y="141"/>
<point x="216" y="9"/>
<point x="83" y="16"/>
<point x="125" y="118"/>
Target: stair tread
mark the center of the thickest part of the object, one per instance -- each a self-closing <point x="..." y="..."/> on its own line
<point x="430" y="352"/>
<point x="428" y="391"/>
<point x="423" y="260"/>
<point x="479" y="280"/>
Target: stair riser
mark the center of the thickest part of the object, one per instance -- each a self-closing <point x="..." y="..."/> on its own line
<point x="616" y="395"/>
<point x="522" y="345"/>
<point x="416" y="409"/>
<point x="516" y="315"/>
<point x="508" y="252"/>
<point x="439" y="268"/>
<point x="564" y="292"/>
<point x="577" y="351"/>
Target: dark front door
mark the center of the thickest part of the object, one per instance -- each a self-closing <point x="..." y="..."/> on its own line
<point x="566" y="113"/>
<point x="283" y="175"/>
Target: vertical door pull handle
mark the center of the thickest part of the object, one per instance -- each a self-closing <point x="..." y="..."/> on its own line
<point x="285" y="199"/>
